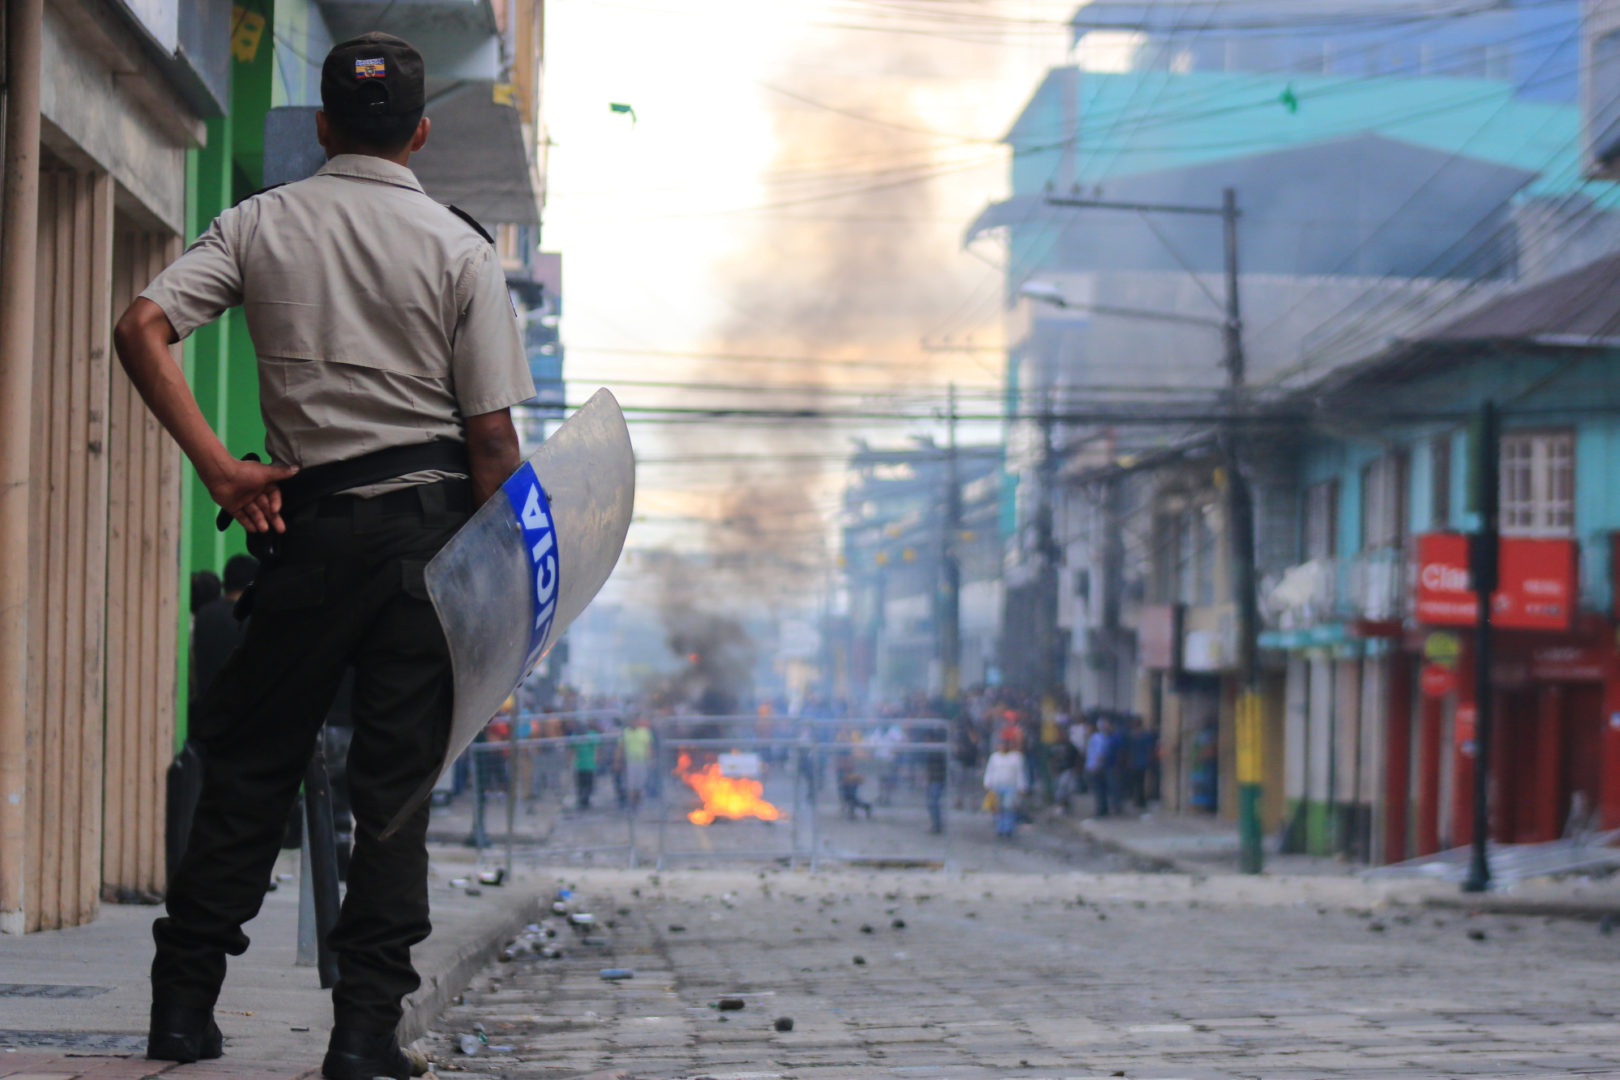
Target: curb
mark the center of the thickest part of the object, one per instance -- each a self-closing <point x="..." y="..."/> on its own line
<point x="1588" y="910"/>
<point x="485" y="939"/>
<point x="1155" y="863"/>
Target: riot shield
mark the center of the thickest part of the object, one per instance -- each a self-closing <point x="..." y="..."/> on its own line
<point x="528" y="562"/>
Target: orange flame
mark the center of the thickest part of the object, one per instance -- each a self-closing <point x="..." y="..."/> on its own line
<point x="732" y="797"/>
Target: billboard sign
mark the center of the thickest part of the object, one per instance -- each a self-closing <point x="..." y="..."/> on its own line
<point x="1537" y="589"/>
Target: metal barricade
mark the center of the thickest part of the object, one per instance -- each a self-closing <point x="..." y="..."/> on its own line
<point x="547" y="799"/>
<point x="750" y="768"/>
<point x="861" y="791"/>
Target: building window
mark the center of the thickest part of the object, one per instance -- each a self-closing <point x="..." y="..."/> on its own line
<point x="1383" y="502"/>
<point x="1538" y="484"/>
<point x="1322" y="521"/>
<point x="1603" y="75"/>
<point x="1440" y="482"/>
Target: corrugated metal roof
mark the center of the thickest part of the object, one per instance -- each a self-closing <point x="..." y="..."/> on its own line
<point x="1580" y="308"/>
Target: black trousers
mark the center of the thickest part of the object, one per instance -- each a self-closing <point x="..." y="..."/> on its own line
<point x="345" y="589"/>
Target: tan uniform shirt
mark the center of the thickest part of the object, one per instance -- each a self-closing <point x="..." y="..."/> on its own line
<point x="379" y="318"/>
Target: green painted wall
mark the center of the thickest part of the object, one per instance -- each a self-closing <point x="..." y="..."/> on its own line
<point x="219" y="358"/>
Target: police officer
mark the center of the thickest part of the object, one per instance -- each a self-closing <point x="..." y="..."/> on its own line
<point x="388" y="359"/>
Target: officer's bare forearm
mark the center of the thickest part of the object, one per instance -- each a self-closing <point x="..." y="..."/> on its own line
<point x="143" y="337"/>
<point x="493" y="452"/>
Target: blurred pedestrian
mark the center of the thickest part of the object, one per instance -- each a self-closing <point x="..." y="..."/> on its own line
<point x="217" y="632"/>
<point x="1141" y="749"/>
<point x="1004" y="778"/>
<point x="1101" y="757"/>
<point x="849" y="786"/>
<point x="205" y="586"/>
<point x="637" y="745"/>
<point x="585" y="748"/>
<point x="968" y="746"/>
<point x="935" y="768"/>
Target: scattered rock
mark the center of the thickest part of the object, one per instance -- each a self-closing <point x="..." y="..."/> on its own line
<point x="1476" y="935"/>
<point x="1377" y="927"/>
<point x="899" y="924"/>
<point x="861" y="960"/>
<point x="617" y="974"/>
<point x="473" y="890"/>
<point x="784" y="1023"/>
<point x="676" y="928"/>
<point x="730" y="1004"/>
<point x="866" y="928"/>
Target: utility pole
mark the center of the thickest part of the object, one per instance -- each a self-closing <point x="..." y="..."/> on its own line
<point x="1049" y="659"/>
<point x="1239" y="511"/>
<point x="950" y="592"/>
<point x="1240" y="515"/>
<point x="1483" y="570"/>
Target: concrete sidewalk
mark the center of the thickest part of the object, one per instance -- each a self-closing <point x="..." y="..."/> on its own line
<point x="1209" y="847"/>
<point x="74" y="1002"/>
<point x="1197" y="845"/>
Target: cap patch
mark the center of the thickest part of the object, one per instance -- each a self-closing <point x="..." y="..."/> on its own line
<point x="375" y="68"/>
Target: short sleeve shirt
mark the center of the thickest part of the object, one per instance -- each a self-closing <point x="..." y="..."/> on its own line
<point x="379" y="317"/>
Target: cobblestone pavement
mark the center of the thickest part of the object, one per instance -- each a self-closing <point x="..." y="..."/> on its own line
<point x="1041" y="975"/>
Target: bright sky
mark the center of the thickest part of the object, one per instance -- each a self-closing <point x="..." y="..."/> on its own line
<point x="706" y="229"/>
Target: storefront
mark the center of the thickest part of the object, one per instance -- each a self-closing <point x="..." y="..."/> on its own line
<point x="1555" y="690"/>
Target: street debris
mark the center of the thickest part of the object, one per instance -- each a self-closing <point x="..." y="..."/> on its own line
<point x="617" y="974"/>
<point x="784" y="1023"/>
<point x="730" y="1004"/>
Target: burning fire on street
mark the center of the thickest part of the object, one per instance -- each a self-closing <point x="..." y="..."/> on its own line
<point x="734" y="797"/>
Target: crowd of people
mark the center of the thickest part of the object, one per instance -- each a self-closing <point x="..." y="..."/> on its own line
<point x="1002" y="754"/>
<point x="1028" y="757"/>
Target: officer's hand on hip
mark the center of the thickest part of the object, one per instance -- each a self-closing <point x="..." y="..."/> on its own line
<point x="247" y="491"/>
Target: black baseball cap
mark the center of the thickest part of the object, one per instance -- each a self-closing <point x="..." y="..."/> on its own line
<point x="368" y="79"/>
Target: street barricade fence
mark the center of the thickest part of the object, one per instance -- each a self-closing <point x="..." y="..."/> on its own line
<point x="838" y="790"/>
<point x="797" y="791"/>
<point x="545" y="799"/>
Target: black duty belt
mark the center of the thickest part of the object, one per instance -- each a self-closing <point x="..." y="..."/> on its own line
<point x="319" y="481"/>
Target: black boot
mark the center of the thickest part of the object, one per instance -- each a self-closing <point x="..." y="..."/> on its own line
<point x="360" y="1055"/>
<point x="183" y="1034"/>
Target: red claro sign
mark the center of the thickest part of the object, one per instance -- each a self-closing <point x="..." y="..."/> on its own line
<point x="1536" y="591"/>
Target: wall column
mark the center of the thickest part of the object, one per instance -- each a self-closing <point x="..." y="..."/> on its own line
<point x="19" y="231"/>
